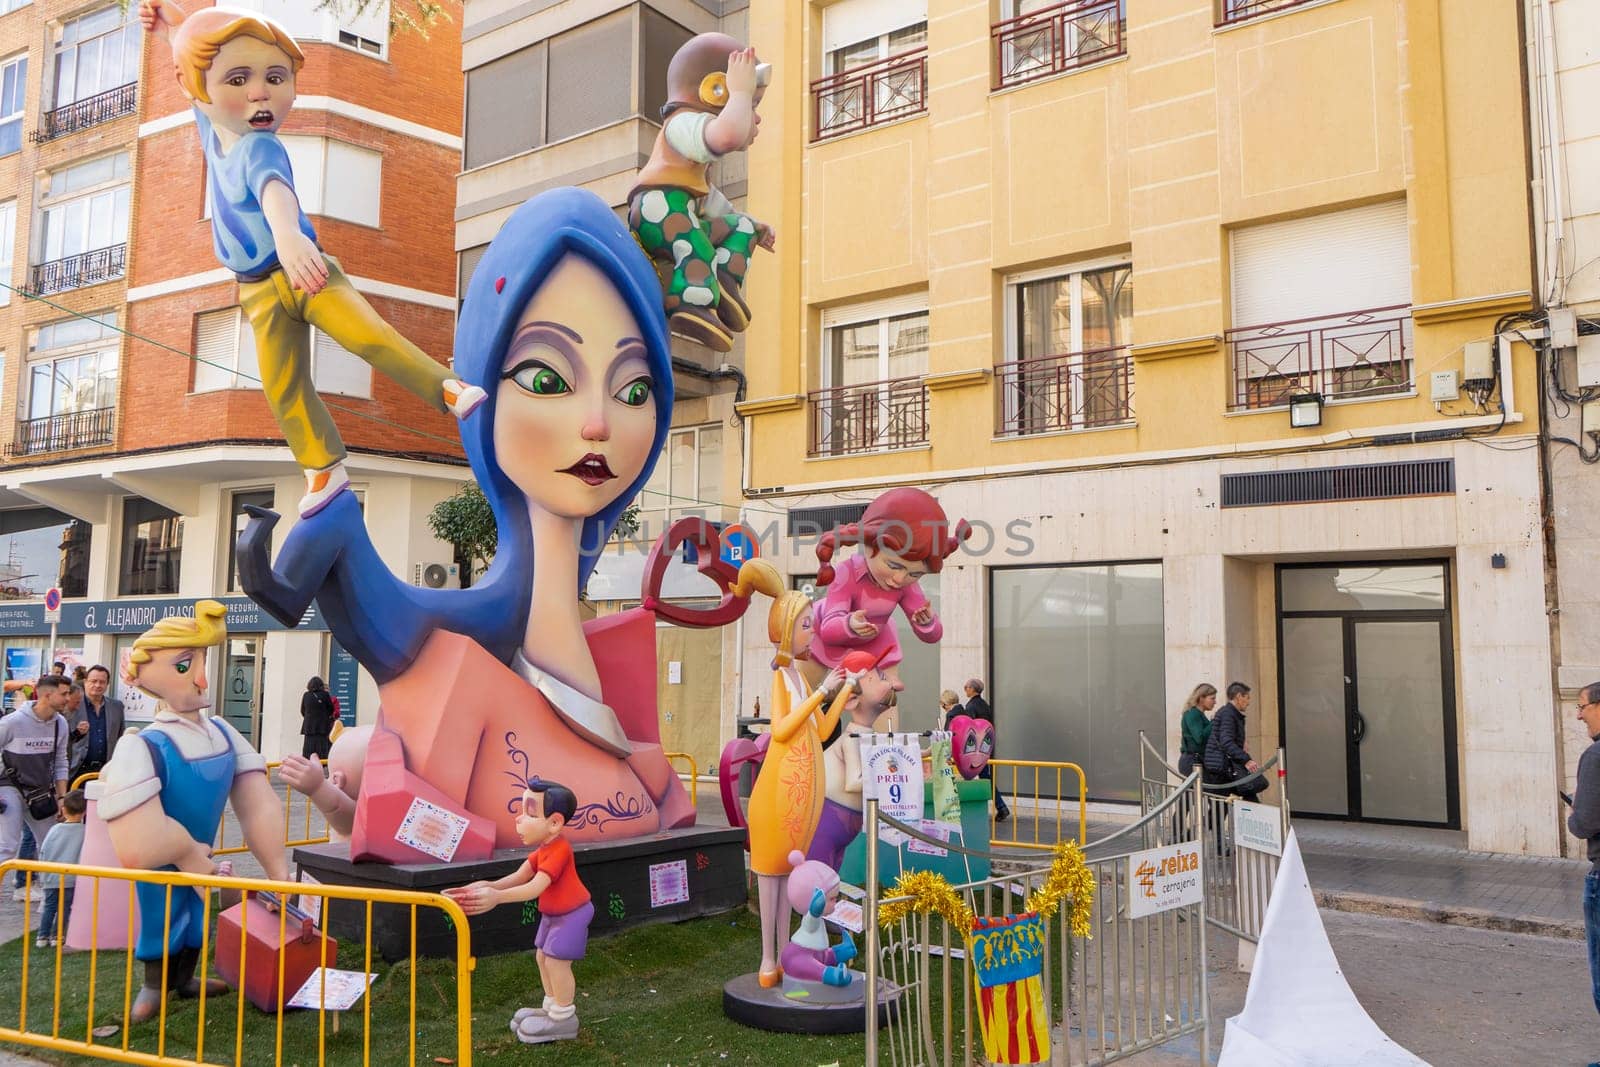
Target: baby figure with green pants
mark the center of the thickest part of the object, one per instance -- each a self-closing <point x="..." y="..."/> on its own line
<point x="238" y="71"/>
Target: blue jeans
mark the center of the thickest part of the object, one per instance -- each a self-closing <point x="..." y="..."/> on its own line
<point x="47" y="913"/>
<point x="1591" y="924"/>
<point x="28" y="851"/>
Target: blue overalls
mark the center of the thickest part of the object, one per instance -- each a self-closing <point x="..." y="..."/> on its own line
<point x="194" y="793"/>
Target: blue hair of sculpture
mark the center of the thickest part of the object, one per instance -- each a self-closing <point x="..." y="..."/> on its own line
<point x="378" y="618"/>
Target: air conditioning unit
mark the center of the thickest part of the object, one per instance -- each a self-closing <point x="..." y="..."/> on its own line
<point x="436" y="575"/>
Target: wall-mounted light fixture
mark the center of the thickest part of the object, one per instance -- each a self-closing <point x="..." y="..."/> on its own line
<point x="1305" y="410"/>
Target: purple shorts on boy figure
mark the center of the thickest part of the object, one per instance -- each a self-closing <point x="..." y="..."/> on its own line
<point x="838" y="827"/>
<point x="565" y="936"/>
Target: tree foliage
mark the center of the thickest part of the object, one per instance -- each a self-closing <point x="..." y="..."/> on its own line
<point x="466" y="521"/>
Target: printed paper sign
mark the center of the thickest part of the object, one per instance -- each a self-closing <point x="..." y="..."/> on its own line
<point x="1257" y="826"/>
<point x="431" y="829"/>
<point x="1161" y="879"/>
<point x="311" y="903"/>
<point x="847" y="915"/>
<point x="341" y="993"/>
<point x="669" y="883"/>
<point x="933" y="828"/>
<point x="892" y="771"/>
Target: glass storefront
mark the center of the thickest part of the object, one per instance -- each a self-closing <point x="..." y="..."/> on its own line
<point x="1078" y="664"/>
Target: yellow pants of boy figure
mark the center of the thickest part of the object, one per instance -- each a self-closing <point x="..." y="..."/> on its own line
<point x="280" y="315"/>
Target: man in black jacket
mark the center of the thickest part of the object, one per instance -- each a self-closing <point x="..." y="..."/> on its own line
<point x="1584" y="822"/>
<point x="96" y="721"/>
<point x="1226" y="759"/>
<point x="978" y="708"/>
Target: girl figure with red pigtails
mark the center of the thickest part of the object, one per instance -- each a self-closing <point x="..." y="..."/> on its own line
<point x="903" y="535"/>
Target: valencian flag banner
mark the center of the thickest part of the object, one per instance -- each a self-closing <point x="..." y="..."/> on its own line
<point x="1007" y="960"/>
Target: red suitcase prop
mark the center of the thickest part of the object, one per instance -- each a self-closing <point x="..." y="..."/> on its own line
<point x="300" y="950"/>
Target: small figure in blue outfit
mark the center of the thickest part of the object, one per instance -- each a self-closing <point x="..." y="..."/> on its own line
<point x="164" y="793"/>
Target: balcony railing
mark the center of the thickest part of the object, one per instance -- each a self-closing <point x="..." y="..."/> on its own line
<point x="1230" y="12"/>
<point x="1057" y="39"/>
<point x="62" y="433"/>
<point x="881" y="92"/>
<point x="872" y="417"/>
<point x="1359" y="354"/>
<point x="91" y="111"/>
<point x="75" y="272"/>
<point x="1077" y="391"/>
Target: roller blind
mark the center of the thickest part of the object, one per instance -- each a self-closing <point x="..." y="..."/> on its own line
<point x="1329" y="264"/>
<point x="850" y="21"/>
<point x="337" y="371"/>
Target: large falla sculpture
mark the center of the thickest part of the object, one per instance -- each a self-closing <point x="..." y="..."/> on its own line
<point x="563" y="329"/>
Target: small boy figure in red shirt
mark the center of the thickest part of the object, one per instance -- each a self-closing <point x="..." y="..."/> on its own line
<point x="551" y="877"/>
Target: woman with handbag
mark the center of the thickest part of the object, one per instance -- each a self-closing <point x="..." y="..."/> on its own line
<point x="1196" y="726"/>
<point x="33" y="752"/>
<point x="317" y="716"/>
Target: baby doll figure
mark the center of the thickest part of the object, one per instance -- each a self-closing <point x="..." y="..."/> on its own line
<point x="808" y="960"/>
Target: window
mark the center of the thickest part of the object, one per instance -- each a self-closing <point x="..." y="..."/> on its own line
<point x="8" y="242"/>
<point x="261" y="498"/>
<point x="85" y="209"/>
<point x="365" y="31"/>
<point x="467" y="265"/>
<point x="864" y="35"/>
<point x="49" y="549"/>
<point x="152" y="546"/>
<point x="8" y="6"/>
<point x="662" y="39"/>
<point x="583" y="92"/>
<point x="95" y="54"/>
<point x="13" y="101"/>
<point x="505" y="107"/>
<point x="1322" y="305"/>
<point x="336" y="370"/>
<point x="73" y="367"/>
<point x="309" y="20"/>
<point x="687" y="480"/>
<point x="1037" y="38"/>
<point x="873" y="396"/>
<point x="1078" y="656"/>
<point x="1066" y="336"/>
<point x="335" y="179"/>
<point x="225" y="351"/>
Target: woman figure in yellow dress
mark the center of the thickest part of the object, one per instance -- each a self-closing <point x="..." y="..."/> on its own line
<point x="786" y="802"/>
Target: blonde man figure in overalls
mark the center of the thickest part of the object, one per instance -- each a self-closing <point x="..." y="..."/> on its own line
<point x="164" y="793"/>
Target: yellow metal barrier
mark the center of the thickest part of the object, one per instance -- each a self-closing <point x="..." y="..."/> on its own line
<point x="289" y="841"/>
<point x="694" y="773"/>
<point x="1043" y="801"/>
<point x="188" y="1034"/>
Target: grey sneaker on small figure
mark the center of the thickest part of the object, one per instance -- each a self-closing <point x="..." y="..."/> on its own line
<point x="539" y="1029"/>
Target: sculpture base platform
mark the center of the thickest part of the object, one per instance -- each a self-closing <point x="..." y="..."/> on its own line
<point x="632" y="883"/>
<point x="747" y="1003"/>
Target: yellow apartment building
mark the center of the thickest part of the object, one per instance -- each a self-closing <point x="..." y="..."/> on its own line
<point x="1192" y="306"/>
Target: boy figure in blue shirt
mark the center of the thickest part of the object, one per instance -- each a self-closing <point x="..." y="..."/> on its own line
<point x="238" y="70"/>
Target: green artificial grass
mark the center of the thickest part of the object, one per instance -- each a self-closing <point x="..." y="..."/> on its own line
<point x="650" y="995"/>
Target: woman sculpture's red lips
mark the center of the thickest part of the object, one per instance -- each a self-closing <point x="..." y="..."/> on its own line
<point x="593" y="469"/>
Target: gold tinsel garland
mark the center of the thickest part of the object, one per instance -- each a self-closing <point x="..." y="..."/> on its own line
<point x="1069" y="880"/>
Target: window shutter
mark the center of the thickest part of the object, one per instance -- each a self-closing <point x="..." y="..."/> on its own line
<point x="850" y="21"/>
<point x="337" y="370"/>
<point x="355" y="176"/>
<point x="887" y="308"/>
<point x="305" y="160"/>
<point x="1330" y="264"/>
<point x="215" y="338"/>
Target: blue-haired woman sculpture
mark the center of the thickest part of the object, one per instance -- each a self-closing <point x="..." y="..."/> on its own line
<point x="563" y="328"/>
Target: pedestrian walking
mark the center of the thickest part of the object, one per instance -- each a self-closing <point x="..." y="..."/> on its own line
<point x="978" y="708"/>
<point x="63" y="844"/>
<point x="317" y="716"/>
<point x="1584" y="822"/>
<point x="96" y="721"/>
<point x="33" y="752"/>
<point x="1196" y="727"/>
<point x="949" y="708"/>
<point x="1226" y="759"/>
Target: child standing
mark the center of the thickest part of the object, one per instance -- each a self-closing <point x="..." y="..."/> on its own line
<point x="238" y="70"/>
<point x="63" y="844"/>
<point x="551" y="877"/>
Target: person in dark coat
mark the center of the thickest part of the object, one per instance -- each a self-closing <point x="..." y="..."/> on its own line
<point x="978" y="708"/>
<point x="96" y="721"/>
<point x="317" y="716"/>
<point x="1226" y="759"/>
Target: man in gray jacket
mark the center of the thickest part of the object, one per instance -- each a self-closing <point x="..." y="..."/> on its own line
<point x="1584" y="822"/>
<point x="33" y="753"/>
<point x="96" y="722"/>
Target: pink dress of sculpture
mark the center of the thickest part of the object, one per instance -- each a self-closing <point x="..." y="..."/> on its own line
<point x="903" y="535"/>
